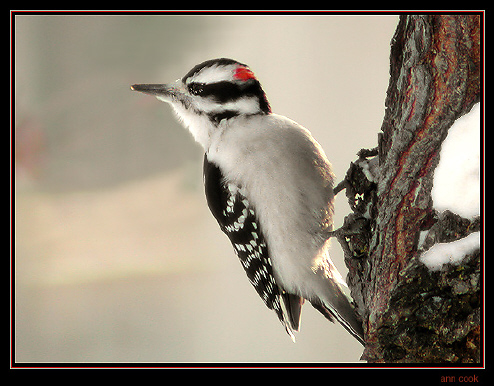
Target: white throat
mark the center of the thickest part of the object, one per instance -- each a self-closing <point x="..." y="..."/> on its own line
<point x="199" y="126"/>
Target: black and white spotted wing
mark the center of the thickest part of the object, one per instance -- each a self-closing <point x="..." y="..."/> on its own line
<point x="237" y="219"/>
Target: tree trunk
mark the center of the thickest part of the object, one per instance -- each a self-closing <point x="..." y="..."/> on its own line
<point x="412" y="314"/>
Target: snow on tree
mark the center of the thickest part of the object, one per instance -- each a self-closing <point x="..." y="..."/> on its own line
<point x="456" y="185"/>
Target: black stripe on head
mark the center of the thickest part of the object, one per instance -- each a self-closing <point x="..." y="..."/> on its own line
<point x="221" y="92"/>
<point x="225" y="91"/>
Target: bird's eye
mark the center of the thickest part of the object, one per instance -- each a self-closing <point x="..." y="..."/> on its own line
<point x="196" y="88"/>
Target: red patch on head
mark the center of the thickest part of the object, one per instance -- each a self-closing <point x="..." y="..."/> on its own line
<point x="243" y="73"/>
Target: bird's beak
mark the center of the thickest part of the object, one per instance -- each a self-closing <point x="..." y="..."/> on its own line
<point x="169" y="93"/>
<point x="157" y="90"/>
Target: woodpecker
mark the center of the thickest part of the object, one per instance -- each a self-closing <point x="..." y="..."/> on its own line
<point x="269" y="185"/>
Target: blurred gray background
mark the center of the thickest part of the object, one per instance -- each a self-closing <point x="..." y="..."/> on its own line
<point x="117" y="255"/>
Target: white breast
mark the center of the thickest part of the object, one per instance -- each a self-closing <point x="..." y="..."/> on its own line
<point x="288" y="180"/>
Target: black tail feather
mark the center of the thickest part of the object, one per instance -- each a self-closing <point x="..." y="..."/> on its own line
<point x="354" y="328"/>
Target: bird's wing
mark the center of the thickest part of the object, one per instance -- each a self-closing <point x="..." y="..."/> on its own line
<point x="238" y="220"/>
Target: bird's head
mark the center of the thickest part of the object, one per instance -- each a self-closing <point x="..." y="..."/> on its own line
<point x="209" y="93"/>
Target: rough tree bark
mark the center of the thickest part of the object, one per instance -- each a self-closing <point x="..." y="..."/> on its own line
<point x="412" y="314"/>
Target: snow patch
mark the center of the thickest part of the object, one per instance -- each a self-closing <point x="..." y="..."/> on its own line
<point x="453" y="252"/>
<point x="456" y="184"/>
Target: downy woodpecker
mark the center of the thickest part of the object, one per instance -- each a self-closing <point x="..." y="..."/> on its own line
<point x="269" y="185"/>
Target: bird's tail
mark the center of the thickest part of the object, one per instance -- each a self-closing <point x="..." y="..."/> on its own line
<point x="334" y="304"/>
<point x="345" y="316"/>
